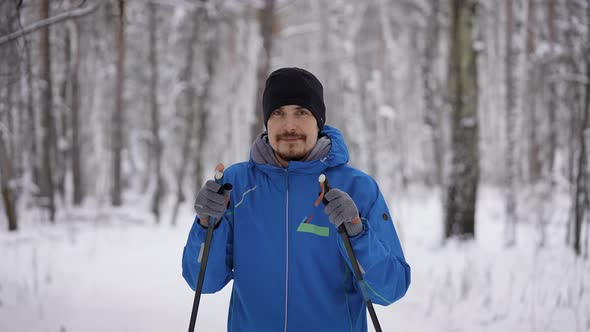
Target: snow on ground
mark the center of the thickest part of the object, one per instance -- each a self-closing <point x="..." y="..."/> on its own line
<point x="114" y="270"/>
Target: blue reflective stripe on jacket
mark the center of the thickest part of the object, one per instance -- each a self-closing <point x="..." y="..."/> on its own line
<point x="289" y="265"/>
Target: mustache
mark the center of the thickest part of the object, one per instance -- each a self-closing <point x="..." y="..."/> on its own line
<point x="291" y="135"/>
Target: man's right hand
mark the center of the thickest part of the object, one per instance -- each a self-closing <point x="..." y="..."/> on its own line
<point x="210" y="203"/>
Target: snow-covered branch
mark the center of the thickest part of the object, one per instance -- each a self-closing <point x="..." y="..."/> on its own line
<point x="52" y="20"/>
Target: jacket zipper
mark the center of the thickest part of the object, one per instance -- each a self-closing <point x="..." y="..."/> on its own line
<point x="287" y="251"/>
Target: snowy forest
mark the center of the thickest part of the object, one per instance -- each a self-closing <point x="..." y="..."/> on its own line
<point x="471" y="115"/>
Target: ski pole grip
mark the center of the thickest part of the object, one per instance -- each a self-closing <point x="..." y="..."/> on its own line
<point x="219" y="179"/>
<point x="224" y="186"/>
<point x="219" y="175"/>
<point x="326" y="187"/>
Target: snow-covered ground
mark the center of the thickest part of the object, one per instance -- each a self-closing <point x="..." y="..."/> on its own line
<point x="114" y="270"/>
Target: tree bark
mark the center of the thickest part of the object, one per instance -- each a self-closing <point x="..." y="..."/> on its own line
<point x="8" y="198"/>
<point x="31" y="141"/>
<point x="118" y="117"/>
<point x="581" y="175"/>
<point x="266" y="18"/>
<point x="462" y="189"/>
<point x="343" y="92"/>
<point x="552" y="98"/>
<point x="187" y="110"/>
<point x="76" y="160"/>
<point x="48" y="126"/>
<point x="431" y="113"/>
<point x="62" y="115"/>
<point x="581" y="184"/>
<point x="535" y="74"/>
<point x="10" y="150"/>
<point x="574" y="104"/>
<point x="511" y="118"/>
<point x="154" y="111"/>
<point x="211" y="46"/>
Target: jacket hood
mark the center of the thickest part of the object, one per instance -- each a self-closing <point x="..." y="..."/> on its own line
<point x="338" y="155"/>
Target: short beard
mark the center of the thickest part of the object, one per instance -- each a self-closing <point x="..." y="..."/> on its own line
<point x="285" y="157"/>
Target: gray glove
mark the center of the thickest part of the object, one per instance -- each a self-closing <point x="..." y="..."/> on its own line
<point x="342" y="210"/>
<point x="210" y="203"/>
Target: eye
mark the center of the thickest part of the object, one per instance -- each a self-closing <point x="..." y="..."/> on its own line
<point x="277" y="112"/>
<point x="303" y="112"/>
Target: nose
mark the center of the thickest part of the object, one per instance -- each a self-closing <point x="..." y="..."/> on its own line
<point x="290" y="123"/>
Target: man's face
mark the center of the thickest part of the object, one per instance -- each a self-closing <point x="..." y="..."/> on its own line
<point x="292" y="133"/>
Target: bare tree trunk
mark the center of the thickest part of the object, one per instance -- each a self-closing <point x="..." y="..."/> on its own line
<point x="155" y="116"/>
<point x="187" y="110"/>
<point x="7" y="121"/>
<point x="62" y="114"/>
<point x="431" y="112"/>
<point x="581" y="184"/>
<point x="48" y="126"/>
<point x="534" y="75"/>
<point x="9" y="154"/>
<point x="462" y="189"/>
<point x="266" y="18"/>
<point x="581" y="176"/>
<point x="575" y="112"/>
<point x="118" y="113"/>
<point x="77" y="179"/>
<point x="511" y="118"/>
<point x="534" y="121"/>
<point x="396" y="172"/>
<point x="211" y="45"/>
<point x="8" y="198"/>
<point x="548" y="140"/>
<point x="552" y="98"/>
<point x="31" y="142"/>
<point x="344" y="90"/>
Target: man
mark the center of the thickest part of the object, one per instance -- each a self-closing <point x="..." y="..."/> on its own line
<point x="290" y="269"/>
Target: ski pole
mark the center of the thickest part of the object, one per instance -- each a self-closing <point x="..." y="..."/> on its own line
<point x="205" y="249"/>
<point x="355" y="264"/>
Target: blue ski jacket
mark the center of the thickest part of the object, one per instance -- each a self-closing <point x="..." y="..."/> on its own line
<point x="288" y="263"/>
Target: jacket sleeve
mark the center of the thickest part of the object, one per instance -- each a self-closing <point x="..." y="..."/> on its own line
<point x="386" y="274"/>
<point x="220" y="263"/>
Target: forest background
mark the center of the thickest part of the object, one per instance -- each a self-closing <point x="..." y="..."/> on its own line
<point x="472" y="116"/>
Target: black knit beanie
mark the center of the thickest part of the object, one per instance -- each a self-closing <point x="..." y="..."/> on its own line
<point x="294" y="86"/>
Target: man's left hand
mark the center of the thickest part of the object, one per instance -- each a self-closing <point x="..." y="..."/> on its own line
<point x="342" y="210"/>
